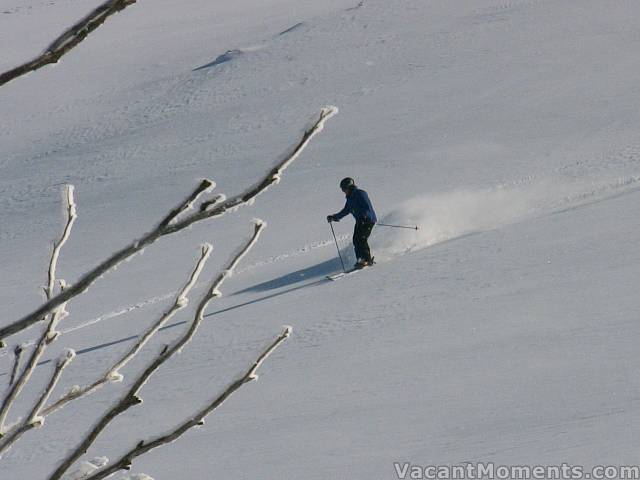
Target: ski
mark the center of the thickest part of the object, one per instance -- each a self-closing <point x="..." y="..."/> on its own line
<point x="339" y="275"/>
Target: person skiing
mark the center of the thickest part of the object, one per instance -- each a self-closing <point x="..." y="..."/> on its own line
<point x="358" y="205"/>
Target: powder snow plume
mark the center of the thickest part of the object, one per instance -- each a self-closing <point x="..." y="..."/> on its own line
<point x="448" y="215"/>
<point x="444" y="216"/>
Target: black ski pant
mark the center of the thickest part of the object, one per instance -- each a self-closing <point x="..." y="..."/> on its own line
<point x="361" y="234"/>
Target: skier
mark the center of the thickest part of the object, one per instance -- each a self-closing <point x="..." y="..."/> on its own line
<point x="358" y="205"/>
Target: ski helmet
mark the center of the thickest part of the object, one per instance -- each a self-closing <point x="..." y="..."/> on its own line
<point x="347" y="183"/>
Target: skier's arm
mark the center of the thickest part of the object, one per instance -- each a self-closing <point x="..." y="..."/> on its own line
<point x="342" y="213"/>
<point x="368" y="213"/>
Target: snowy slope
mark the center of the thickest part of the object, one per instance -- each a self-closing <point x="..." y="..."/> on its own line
<point x="503" y="330"/>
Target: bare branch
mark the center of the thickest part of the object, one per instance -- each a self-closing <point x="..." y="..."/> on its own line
<point x="131" y="397"/>
<point x="17" y="353"/>
<point x="34" y="419"/>
<point x="237" y="201"/>
<point x="69" y="39"/>
<point x="144" y="446"/>
<point x="112" y="374"/>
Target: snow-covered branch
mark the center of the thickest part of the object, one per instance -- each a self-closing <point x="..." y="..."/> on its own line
<point x="57" y="246"/>
<point x="35" y="419"/>
<point x="205" y="186"/>
<point x="69" y="39"/>
<point x="131" y="397"/>
<point x="144" y="446"/>
<point x="245" y="198"/>
<point x="113" y="373"/>
<point x="49" y="334"/>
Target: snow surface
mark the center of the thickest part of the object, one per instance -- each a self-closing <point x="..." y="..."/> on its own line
<point x="504" y="330"/>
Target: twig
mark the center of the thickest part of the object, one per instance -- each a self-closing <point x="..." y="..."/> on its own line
<point x="34" y="419"/>
<point x="131" y="398"/>
<point x="48" y="336"/>
<point x="17" y="353"/>
<point x="57" y="246"/>
<point x="144" y="446"/>
<point x="205" y="187"/>
<point x="237" y="201"/>
<point x="69" y="39"/>
<point x="216" y="200"/>
<point x="63" y="361"/>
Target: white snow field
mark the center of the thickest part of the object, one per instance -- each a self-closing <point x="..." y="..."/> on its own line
<point x="505" y="330"/>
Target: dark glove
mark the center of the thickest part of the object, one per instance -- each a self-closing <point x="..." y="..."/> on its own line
<point x="331" y="218"/>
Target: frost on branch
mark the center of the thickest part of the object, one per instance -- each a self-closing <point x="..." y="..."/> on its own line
<point x="52" y="318"/>
<point x="35" y="419"/>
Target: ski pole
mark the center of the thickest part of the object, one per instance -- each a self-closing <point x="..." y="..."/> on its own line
<point x="336" y="240"/>
<point x="397" y="226"/>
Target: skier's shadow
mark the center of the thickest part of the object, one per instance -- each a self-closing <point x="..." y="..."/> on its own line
<point x="309" y="273"/>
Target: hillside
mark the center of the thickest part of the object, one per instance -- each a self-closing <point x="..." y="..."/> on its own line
<point x="504" y="330"/>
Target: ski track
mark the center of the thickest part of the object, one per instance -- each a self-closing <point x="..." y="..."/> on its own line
<point x="572" y="200"/>
<point x="167" y="296"/>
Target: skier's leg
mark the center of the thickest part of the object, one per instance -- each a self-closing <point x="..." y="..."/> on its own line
<point x="357" y="243"/>
<point x="365" y="233"/>
<point x="361" y="233"/>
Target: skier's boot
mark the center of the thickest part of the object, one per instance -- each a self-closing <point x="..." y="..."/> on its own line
<point x="361" y="263"/>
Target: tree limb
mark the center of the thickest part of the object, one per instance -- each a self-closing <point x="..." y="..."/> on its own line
<point x="273" y="176"/>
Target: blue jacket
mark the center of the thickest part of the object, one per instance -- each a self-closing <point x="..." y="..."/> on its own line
<point x="358" y="205"/>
